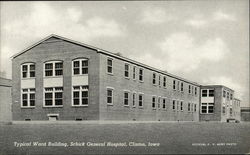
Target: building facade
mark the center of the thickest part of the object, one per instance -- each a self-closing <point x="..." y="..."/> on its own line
<point x="5" y="102"/>
<point x="61" y="79"/>
<point x="218" y="104"/>
<point x="245" y="114"/>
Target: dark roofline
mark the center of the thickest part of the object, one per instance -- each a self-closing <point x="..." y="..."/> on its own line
<point x="99" y="50"/>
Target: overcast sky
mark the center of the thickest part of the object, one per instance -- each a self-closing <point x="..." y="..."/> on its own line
<point x="203" y="41"/>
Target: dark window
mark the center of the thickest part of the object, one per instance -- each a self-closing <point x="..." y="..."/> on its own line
<point x="159" y="80"/>
<point x="153" y="102"/>
<point x="58" y="68"/>
<point x="224" y="93"/>
<point x="110" y="66"/>
<point x="76" y="65"/>
<point x="25" y="100"/>
<point x="126" y="70"/>
<point x="174" y="87"/>
<point x="210" y="108"/>
<point x="181" y="105"/>
<point x="140" y="100"/>
<point x="76" y="96"/>
<point x="85" y="66"/>
<point x="49" y="99"/>
<point x="24" y="70"/>
<point x="204" y="93"/>
<point x="223" y="109"/>
<point x="173" y="105"/>
<point x="164" y="81"/>
<point x="49" y="69"/>
<point x="163" y="103"/>
<point x="58" y="98"/>
<point x="211" y="93"/>
<point x="141" y="74"/>
<point x="134" y="72"/>
<point x="125" y="98"/>
<point x="189" y="89"/>
<point x="32" y="99"/>
<point x="154" y="78"/>
<point x="195" y="90"/>
<point x="109" y="96"/>
<point x="32" y="70"/>
<point x="181" y="86"/>
<point x="84" y="97"/>
<point x="134" y="95"/>
<point x="189" y="107"/>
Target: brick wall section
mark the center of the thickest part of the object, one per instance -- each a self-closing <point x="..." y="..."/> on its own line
<point x="119" y="112"/>
<point x="56" y="50"/>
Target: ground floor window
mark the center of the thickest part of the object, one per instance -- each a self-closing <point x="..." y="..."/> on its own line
<point x="189" y="107"/>
<point x="53" y="96"/>
<point x="133" y="99"/>
<point x="140" y="100"/>
<point x="126" y="98"/>
<point x="28" y="97"/>
<point x="173" y="106"/>
<point x="80" y="96"/>
<point x="164" y="103"/>
<point x="153" y="102"/>
<point x="110" y="96"/>
<point x="207" y="108"/>
<point x="181" y="105"/>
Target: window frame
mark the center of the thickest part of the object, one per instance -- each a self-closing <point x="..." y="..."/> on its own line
<point x="142" y="100"/>
<point x="134" y="72"/>
<point x="173" y="105"/>
<point x="153" y="102"/>
<point x="126" y="70"/>
<point x="207" y="105"/>
<point x="53" y="62"/>
<point x="80" y="90"/>
<point x="164" y="105"/>
<point x="154" y="78"/>
<point x="164" y="81"/>
<point x="80" y="67"/>
<point x="28" y="71"/>
<point x="174" y="85"/>
<point x="112" y="97"/>
<point x="109" y="66"/>
<point x="54" y="91"/>
<point x="126" y="92"/>
<point x="141" y="79"/>
<point x="28" y="93"/>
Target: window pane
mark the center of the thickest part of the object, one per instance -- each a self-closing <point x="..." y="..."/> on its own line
<point x="109" y="92"/>
<point x="76" y="94"/>
<point x="85" y="63"/>
<point x="25" y="96"/>
<point x="59" y="72"/>
<point x="109" y="62"/>
<point x="76" y="63"/>
<point x="32" y="74"/>
<point x="109" y="99"/>
<point x="48" y="66"/>
<point x="76" y="102"/>
<point x="25" y="68"/>
<point x="32" y="96"/>
<point x="24" y="74"/>
<point x="58" y="102"/>
<point x="84" y="70"/>
<point x="58" y="65"/>
<point x="32" y="67"/>
<point x="32" y="102"/>
<point x="25" y="103"/>
<point x="48" y="102"/>
<point x="48" y="95"/>
<point x="59" y="95"/>
<point x="204" y="93"/>
<point x="211" y="93"/>
<point x="76" y="71"/>
<point x="84" y="93"/>
<point x="84" y="101"/>
<point x="48" y="73"/>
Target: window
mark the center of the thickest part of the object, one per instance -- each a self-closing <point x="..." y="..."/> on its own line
<point x="164" y="103"/>
<point x="28" y="97"/>
<point x="207" y="108"/>
<point x="140" y="100"/>
<point x="80" y="67"/>
<point x="177" y="107"/>
<point x="164" y="81"/>
<point x="204" y="93"/>
<point x="110" y="65"/>
<point x="227" y="95"/>
<point x="126" y="94"/>
<point x="181" y="105"/>
<point x="141" y="74"/>
<point x="126" y="71"/>
<point x="109" y="96"/>
<point x="154" y="78"/>
<point x="182" y="86"/>
<point x="195" y="90"/>
<point x="231" y="111"/>
<point x="194" y="107"/>
<point x="223" y="109"/>
<point x="134" y="72"/>
<point x="159" y="80"/>
<point x="153" y="102"/>
<point x="224" y="93"/>
<point x="80" y="96"/>
<point x="173" y="107"/>
<point x="133" y="99"/>
<point x="211" y="93"/>
<point x="53" y="96"/>
<point x="189" y="109"/>
<point x="53" y="68"/>
<point x="178" y="85"/>
<point x="174" y="87"/>
<point x="28" y="70"/>
<point x="159" y="102"/>
<point x="231" y="96"/>
<point x="189" y="89"/>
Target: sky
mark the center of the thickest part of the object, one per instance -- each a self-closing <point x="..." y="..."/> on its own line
<point x="203" y="41"/>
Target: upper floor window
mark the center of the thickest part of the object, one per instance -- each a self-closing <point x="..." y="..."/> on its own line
<point x="154" y="78"/>
<point x="189" y="89"/>
<point x="189" y="106"/>
<point x="110" y="65"/>
<point x="224" y="93"/>
<point x="227" y="95"/>
<point x="211" y="93"/>
<point x="28" y="70"/>
<point x="174" y="86"/>
<point x="80" y="95"/>
<point x="53" y="96"/>
<point x="126" y="71"/>
<point x="182" y="86"/>
<point x="134" y="72"/>
<point x="204" y="92"/>
<point x="194" y="107"/>
<point x="53" y="68"/>
<point x="231" y="96"/>
<point x="28" y="97"/>
<point x="141" y="74"/>
<point x="181" y="105"/>
<point x="80" y="66"/>
<point x="195" y="90"/>
<point x="159" y="80"/>
<point x="164" y="81"/>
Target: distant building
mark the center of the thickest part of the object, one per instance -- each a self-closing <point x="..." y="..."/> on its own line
<point x="5" y="100"/>
<point x="218" y="104"/>
<point x="245" y="114"/>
